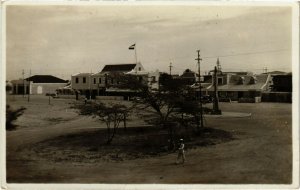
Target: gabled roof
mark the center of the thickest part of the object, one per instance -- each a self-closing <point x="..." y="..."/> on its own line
<point x="82" y="74"/>
<point x="137" y="72"/>
<point x="45" y="79"/>
<point x="118" y="68"/>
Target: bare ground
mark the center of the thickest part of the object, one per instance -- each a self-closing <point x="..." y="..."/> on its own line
<point x="259" y="153"/>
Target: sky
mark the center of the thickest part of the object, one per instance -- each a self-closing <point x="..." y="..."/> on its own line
<point x="65" y="40"/>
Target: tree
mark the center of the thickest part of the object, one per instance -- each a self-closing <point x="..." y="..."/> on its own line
<point x="166" y="103"/>
<point x="111" y="115"/>
<point x="11" y="116"/>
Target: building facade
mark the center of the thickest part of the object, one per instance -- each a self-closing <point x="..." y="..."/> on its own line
<point x="45" y="84"/>
<point x="239" y="86"/>
<point x="38" y="84"/>
<point x="103" y="82"/>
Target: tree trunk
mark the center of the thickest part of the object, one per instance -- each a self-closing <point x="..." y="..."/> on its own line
<point x="124" y="122"/>
<point x="171" y="135"/>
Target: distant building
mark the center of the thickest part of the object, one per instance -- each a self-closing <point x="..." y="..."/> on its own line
<point x="188" y="77"/>
<point x="43" y="84"/>
<point x="281" y="81"/>
<point x="238" y="85"/>
<point x="81" y="83"/>
<point x="37" y="84"/>
<point x="153" y="80"/>
<point x="20" y="86"/>
<point x="8" y="87"/>
<point x="93" y="84"/>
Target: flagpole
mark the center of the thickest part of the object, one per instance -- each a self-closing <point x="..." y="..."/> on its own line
<point x="135" y="54"/>
<point x="135" y="59"/>
<point x="133" y="47"/>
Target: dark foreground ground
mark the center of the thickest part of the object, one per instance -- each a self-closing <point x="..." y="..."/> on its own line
<point x="46" y="148"/>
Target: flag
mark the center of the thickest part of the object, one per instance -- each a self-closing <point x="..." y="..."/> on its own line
<point x="132" y="47"/>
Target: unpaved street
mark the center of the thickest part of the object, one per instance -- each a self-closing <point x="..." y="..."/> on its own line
<point x="260" y="153"/>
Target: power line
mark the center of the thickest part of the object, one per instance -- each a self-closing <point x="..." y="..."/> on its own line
<point x="249" y="53"/>
<point x="230" y="55"/>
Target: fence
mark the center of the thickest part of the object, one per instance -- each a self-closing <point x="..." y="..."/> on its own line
<point x="70" y="96"/>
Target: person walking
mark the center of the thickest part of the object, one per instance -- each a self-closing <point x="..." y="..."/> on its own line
<point x="181" y="154"/>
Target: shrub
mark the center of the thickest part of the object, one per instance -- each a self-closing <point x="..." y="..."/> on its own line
<point x="11" y="116"/>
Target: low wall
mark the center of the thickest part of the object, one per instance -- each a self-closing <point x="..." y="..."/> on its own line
<point x="109" y="98"/>
<point x="246" y="100"/>
<point x="69" y="96"/>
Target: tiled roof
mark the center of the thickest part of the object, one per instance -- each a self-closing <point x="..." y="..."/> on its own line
<point x="118" y="68"/>
<point x="45" y="79"/>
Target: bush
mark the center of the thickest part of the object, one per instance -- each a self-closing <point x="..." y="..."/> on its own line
<point x="11" y="116"/>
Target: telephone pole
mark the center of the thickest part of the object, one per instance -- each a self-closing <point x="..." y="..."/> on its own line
<point x="216" y="110"/>
<point x="198" y="59"/>
<point x="170" y="68"/>
<point x="265" y="70"/>
<point x="23" y="83"/>
<point x="218" y="66"/>
<point x="29" y="86"/>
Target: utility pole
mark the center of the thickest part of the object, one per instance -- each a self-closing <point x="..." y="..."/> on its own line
<point x="23" y="83"/>
<point x="265" y="70"/>
<point x="90" y="81"/>
<point x="170" y="69"/>
<point x="200" y="93"/>
<point x="216" y="110"/>
<point x="29" y="86"/>
<point x="218" y="66"/>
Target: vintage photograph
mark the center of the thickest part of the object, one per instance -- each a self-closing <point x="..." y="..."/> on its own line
<point x="149" y="94"/>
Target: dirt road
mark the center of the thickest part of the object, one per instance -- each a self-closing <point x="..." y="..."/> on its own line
<point x="260" y="154"/>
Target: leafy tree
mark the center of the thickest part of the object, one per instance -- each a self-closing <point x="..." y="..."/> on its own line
<point x="11" y="116"/>
<point x="111" y="115"/>
<point x="167" y="102"/>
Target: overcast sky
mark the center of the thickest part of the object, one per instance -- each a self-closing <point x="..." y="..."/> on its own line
<point x="65" y="40"/>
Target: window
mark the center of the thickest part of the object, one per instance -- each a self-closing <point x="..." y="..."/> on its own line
<point x="139" y="68"/>
<point x="84" y="80"/>
<point x="112" y="81"/>
<point x="220" y="80"/>
<point x="94" y="80"/>
<point x="76" y="80"/>
<point x="99" y="80"/>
